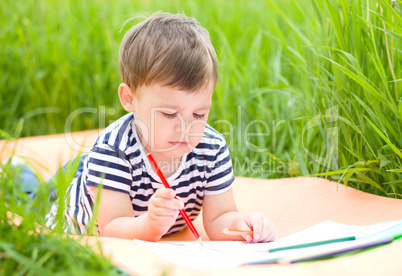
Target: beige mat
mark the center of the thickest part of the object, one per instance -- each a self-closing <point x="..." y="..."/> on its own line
<point x="293" y="204"/>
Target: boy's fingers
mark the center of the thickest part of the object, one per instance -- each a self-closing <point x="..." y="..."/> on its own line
<point x="273" y="234"/>
<point x="169" y="203"/>
<point x="181" y="202"/>
<point x="165" y="212"/>
<point x="270" y="232"/>
<point x="164" y="198"/>
<point x="248" y="238"/>
<point x="263" y="229"/>
<point x="257" y="233"/>
<point x="243" y="225"/>
<point x="256" y="222"/>
<point x="165" y="193"/>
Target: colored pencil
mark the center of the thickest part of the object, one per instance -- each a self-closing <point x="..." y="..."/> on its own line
<point x="336" y="248"/>
<point x="323" y="250"/>
<point x="311" y="244"/>
<point x="182" y="211"/>
<point x="231" y="231"/>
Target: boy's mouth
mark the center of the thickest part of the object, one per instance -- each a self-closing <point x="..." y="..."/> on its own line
<point x="179" y="144"/>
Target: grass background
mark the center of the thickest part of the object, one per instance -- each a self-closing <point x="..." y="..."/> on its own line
<point x="318" y="81"/>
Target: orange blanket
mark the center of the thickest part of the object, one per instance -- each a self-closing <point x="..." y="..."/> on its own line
<point x="293" y="204"/>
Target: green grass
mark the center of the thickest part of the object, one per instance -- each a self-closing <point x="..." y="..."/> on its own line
<point x="27" y="248"/>
<point x="319" y="81"/>
<point x="306" y="88"/>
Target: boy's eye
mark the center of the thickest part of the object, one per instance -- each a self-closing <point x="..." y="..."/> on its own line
<point x="198" y="116"/>
<point x="169" y="116"/>
<point x="172" y="115"/>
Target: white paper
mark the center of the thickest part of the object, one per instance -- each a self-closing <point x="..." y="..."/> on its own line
<point x="325" y="231"/>
<point x="214" y="254"/>
<point x="226" y="254"/>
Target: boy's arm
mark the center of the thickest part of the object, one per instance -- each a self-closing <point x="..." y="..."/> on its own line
<point x="116" y="216"/>
<point x="220" y="211"/>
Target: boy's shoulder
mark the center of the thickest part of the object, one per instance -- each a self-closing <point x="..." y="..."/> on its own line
<point x="211" y="140"/>
<point x="118" y="134"/>
<point x="212" y="134"/>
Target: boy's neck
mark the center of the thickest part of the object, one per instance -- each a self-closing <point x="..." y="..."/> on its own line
<point x="169" y="167"/>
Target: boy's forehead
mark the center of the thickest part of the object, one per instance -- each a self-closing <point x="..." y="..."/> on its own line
<point x="178" y="99"/>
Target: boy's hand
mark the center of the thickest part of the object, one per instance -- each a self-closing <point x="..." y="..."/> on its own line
<point x="163" y="210"/>
<point x="264" y="229"/>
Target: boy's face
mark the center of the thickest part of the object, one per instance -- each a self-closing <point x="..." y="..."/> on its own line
<point x="170" y="122"/>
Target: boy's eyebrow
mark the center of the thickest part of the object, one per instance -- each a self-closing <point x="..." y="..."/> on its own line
<point x="205" y="107"/>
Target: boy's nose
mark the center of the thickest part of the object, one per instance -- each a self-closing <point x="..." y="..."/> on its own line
<point x="190" y="127"/>
<point x="188" y="124"/>
<point x="181" y="126"/>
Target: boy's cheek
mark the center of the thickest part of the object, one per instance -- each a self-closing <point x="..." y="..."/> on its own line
<point x="159" y="128"/>
<point x="197" y="128"/>
<point x="194" y="143"/>
<point x="195" y="137"/>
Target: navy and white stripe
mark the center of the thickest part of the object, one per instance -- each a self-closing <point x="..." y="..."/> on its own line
<point x="119" y="163"/>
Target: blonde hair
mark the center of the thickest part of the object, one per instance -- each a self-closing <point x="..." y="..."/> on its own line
<point x="169" y="49"/>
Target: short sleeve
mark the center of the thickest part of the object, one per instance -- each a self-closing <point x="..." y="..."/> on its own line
<point x="220" y="173"/>
<point x="109" y="167"/>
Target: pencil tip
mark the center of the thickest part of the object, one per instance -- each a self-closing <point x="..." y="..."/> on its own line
<point x="200" y="241"/>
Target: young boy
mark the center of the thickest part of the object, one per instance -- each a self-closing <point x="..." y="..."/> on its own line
<point x="169" y="69"/>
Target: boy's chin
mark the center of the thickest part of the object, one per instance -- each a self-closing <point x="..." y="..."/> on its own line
<point x="173" y="152"/>
<point x="177" y="153"/>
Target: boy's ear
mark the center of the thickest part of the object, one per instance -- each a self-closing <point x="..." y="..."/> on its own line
<point x="126" y="97"/>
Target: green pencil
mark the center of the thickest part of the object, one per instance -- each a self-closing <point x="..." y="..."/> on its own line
<point x="309" y="244"/>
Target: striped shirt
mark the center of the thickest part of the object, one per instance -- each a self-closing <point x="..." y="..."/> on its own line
<point x="119" y="163"/>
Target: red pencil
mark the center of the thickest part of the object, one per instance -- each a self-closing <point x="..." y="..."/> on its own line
<point x="182" y="211"/>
